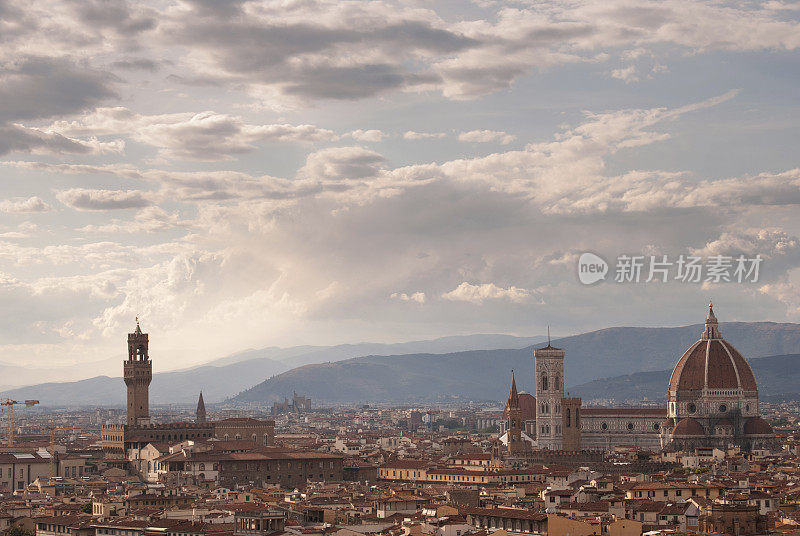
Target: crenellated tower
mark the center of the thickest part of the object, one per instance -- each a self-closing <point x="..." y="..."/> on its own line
<point x="138" y="374"/>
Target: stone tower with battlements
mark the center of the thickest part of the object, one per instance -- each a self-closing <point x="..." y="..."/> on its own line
<point x="138" y="372"/>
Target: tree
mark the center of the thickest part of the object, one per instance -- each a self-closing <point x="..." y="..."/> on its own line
<point x="19" y="531"/>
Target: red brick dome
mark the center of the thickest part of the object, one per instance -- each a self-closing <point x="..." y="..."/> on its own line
<point x="688" y="427"/>
<point x="712" y="363"/>
<point x="757" y="426"/>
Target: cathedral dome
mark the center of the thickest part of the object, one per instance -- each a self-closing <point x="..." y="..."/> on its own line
<point x="712" y="363"/>
<point x="757" y="426"/>
<point x="688" y="427"/>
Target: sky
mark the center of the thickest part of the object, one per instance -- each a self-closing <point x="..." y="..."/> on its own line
<point x="242" y="174"/>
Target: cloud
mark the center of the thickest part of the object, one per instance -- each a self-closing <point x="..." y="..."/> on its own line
<point x="627" y="74"/>
<point x="40" y="88"/>
<point x="412" y="135"/>
<point x="315" y="50"/>
<point x="486" y="136"/>
<point x="93" y="200"/>
<point x="34" y="88"/>
<point x="203" y="136"/>
<point x="17" y="138"/>
<point x="416" y="297"/>
<point x="339" y="163"/>
<point x="24" y="205"/>
<point x="477" y="294"/>
<point x="372" y="135"/>
<point x="150" y="219"/>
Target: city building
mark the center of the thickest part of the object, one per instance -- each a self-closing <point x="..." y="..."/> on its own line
<point x="712" y="402"/>
<point x="713" y="398"/>
<point x="124" y="442"/>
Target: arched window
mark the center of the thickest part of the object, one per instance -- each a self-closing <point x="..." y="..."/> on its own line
<point x="544" y="382"/>
<point x="577" y="417"/>
<point x="254" y="438"/>
<point x="556" y="382"/>
<point x="238" y="436"/>
<point x="569" y="418"/>
<point x="202" y="467"/>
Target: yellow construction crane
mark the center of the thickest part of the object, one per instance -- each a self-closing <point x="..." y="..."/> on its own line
<point x="53" y="429"/>
<point x="11" y="403"/>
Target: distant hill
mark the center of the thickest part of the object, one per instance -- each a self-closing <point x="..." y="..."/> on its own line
<point x="217" y="383"/>
<point x="618" y="351"/>
<point x="778" y="377"/>
<point x="297" y="356"/>
<point x="227" y="376"/>
<point x="484" y="375"/>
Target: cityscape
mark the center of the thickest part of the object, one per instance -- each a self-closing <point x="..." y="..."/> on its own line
<point x="399" y="268"/>
<point x="710" y="458"/>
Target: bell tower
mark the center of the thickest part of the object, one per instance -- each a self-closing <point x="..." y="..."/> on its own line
<point x="138" y="374"/>
<point x="549" y="365"/>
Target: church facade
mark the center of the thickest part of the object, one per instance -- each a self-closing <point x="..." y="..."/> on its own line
<point x="712" y="401"/>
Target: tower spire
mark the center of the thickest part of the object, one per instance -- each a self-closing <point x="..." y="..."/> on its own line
<point x="513" y="396"/>
<point x="548" y="336"/>
<point x="201" y="410"/>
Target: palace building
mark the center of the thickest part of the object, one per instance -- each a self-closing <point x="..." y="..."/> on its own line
<point x="712" y="402"/>
<point x="123" y="441"/>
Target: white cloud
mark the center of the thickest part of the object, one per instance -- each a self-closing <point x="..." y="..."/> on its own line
<point x="23" y="205"/>
<point x="342" y="163"/>
<point x="486" y="136"/>
<point x="371" y="135"/>
<point x="413" y="135"/>
<point x="87" y="199"/>
<point x="417" y="297"/>
<point x="200" y="136"/>
<point x="477" y="294"/>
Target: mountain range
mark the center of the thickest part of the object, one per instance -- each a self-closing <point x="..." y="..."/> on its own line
<point x="484" y="375"/>
<point x="778" y="378"/>
<point x="636" y="359"/>
<point x="224" y="377"/>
